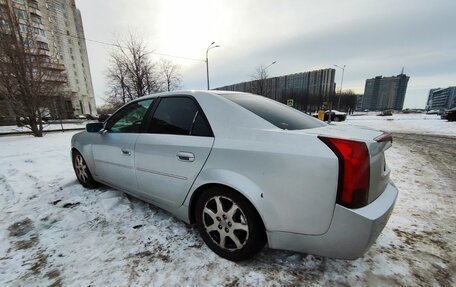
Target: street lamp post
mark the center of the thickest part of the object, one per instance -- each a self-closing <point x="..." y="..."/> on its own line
<point x="264" y="77"/>
<point x="270" y="65"/>
<point x="341" y="82"/>
<point x="207" y="61"/>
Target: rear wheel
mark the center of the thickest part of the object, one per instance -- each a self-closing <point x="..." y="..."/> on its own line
<point x="229" y="224"/>
<point x="82" y="171"/>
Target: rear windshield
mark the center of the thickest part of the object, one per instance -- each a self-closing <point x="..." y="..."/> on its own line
<point x="278" y="114"/>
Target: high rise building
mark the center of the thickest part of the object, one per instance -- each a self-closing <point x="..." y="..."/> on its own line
<point x="384" y="93"/>
<point x="439" y="99"/>
<point x="60" y="35"/>
<point x="67" y="29"/>
<point x="308" y="90"/>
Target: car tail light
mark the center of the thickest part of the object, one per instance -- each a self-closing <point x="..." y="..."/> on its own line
<point x="354" y="171"/>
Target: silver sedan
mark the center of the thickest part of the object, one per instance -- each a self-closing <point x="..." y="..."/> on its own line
<point x="247" y="170"/>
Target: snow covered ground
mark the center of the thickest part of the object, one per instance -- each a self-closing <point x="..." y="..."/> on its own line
<point x="412" y="123"/>
<point x="54" y="231"/>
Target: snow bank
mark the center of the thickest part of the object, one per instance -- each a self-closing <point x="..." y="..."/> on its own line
<point x="410" y="123"/>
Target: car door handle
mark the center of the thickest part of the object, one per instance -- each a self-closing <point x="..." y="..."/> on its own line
<point x="126" y="151"/>
<point x="185" y="156"/>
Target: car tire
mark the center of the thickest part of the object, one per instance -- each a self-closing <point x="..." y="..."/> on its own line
<point x="336" y="119"/>
<point x="82" y="171"/>
<point x="235" y="232"/>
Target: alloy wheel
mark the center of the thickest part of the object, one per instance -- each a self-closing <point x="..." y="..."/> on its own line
<point x="81" y="168"/>
<point x="225" y="223"/>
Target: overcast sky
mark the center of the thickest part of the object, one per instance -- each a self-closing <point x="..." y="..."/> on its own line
<point x="371" y="37"/>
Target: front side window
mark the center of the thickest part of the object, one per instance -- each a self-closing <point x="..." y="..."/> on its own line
<point x="179" y="116"/>
<point x="130" y="118"/>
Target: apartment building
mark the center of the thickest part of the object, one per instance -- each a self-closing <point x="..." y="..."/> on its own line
<point x="383" y="93"/>
<point x="60" y="35"/>
<point x="441" y="99"/>
<point x="308" y="90"/>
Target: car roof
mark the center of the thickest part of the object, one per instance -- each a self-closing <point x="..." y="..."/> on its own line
<point x="190" y="92"/>
<point x="219" y="112"/>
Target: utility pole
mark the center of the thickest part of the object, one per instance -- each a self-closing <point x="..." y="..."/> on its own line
<point x="207" y="61"/>
<point x="265" y="78"/>
<point x="341" y="82"/>
<point x="270" y="65"/>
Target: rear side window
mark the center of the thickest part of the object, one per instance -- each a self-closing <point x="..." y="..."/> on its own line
<point x="200" y="127"/>
<point x="278" y="114"/>
<point x="179" y="116"/>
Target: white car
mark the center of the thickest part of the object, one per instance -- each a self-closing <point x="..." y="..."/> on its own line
<point x="247" y="170"/>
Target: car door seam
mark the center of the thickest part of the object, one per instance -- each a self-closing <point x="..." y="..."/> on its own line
<point x="202" y="167"/>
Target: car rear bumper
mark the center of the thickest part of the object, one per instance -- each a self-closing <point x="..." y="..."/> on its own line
<point x="351" y="233"/>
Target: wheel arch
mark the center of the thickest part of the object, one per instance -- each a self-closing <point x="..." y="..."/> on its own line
<point x="73" y="151"/>
<point x="208" y="185"/>
<point x="86" y="151"/>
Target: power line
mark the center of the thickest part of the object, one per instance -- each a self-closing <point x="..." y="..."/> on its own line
<point x="116" y="45"/>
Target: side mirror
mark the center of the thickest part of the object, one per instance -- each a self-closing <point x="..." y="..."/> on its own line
<point x="94" y="127"/>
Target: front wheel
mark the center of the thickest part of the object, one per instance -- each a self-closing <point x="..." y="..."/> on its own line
<point x="229" y="224"/>
<point x="82" y="171"/>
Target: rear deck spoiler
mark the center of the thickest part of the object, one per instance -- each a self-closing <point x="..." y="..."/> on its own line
<point x="385" y="137"/>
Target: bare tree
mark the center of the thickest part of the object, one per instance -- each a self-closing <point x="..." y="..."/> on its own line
<point x="30" y="78"/>
<point x="347" y="100"/>
<point x="170" y="75"/>
<point x="119" y="91"/>
<point x="106" y="109"/>
<point x="259" y="86"/>
<point x="131" y="73"/>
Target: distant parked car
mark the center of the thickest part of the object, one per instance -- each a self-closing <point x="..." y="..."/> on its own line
<point x="444" y="115"/>
<point x="246" y="170"/>
<point x="90" y="117"/>
<point x="451" y="115"/>
<point x="86" y="117"/>
<point x="433" y="112"/>
<point x="336" y="116"/>
<point x="81" y="117"/>
<point x="103" y="117"/>
<point x="21" y="121"/>
<point x="385" y="113"/>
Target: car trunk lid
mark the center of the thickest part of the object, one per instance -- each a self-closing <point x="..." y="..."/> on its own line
<point x="377" y="143"/>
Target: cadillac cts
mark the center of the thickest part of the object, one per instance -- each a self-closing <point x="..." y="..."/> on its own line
<point x="247" y="170"/>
